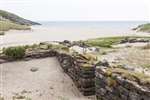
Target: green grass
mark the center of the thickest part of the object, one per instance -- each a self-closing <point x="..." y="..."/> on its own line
<point x="147" y="65"/>
<point x="8" y="25"/>
<point x="108" y="41"/>
<point x="144" y="27"/>
<point x="2" y="33"/>
<point x="15" y="52"/>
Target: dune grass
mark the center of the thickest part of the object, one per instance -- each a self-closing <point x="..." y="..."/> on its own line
<point x="8" y="25"/>
<point x="2" y="33"/>
<point x="15" y="52"/>
<point x="104" y="42"/>
<point x="108" y="41"/>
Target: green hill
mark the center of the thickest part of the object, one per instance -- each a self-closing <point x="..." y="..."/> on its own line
<point x="7" y="25"/>
<point x="143" y="28"/>
<point x="10" y="21"/>
<point x="16" y="19"/>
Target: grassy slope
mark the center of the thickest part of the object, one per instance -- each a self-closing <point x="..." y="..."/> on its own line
<point x="10" y="21"/>
<point x="7" y="25"/>
<point x="143" y="28"/>
<point x="16" y="19"/>
<point x="108" y="41"/>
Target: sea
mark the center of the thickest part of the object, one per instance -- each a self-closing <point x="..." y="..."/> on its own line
<point x="94" y="24"/>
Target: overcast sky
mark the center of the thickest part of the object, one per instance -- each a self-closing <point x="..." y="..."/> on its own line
<point x="77" y="10"/>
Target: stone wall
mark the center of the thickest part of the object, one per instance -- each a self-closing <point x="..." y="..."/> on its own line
<point x="92" y="78"/>
<point x="82" y="73"/>
<point x="116" y="87"/>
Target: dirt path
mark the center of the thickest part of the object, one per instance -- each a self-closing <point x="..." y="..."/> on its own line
<point x="49" y="82"/>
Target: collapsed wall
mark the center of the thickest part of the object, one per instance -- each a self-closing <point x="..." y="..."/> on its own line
<point x="119" y="84"/>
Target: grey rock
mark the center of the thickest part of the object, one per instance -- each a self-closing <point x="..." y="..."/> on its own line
<point x="34" y="69"/>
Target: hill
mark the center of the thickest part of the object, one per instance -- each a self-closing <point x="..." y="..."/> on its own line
<point x="7" y="25"/>
<point x="10" y="21"/>
<point x="15" y="18"/>
<point x="143" y="28"/>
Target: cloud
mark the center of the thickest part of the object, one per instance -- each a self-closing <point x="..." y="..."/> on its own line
<point x="79" y="9"/>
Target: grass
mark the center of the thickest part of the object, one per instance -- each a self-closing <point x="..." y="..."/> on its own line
<point x="8" y="25"/>
<point x="2" y="33"/>
<point x="144" y="27"/>
<point x="108" y="41"/>
<point x="104" y="42"/>
<point x="15" y="52"/>
<point x="21" y="97"/>
<point x="147" y="65"/>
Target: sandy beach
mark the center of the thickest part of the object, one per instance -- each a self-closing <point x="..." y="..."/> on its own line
<point x="42" y="34"/>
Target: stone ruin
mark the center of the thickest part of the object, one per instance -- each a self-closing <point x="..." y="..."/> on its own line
<point x="81" y="72"/>
<point x="119" y="84"/>
<point x="96" y="78"/>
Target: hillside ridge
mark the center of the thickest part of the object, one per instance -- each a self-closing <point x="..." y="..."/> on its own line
<point x="15" y="18"/>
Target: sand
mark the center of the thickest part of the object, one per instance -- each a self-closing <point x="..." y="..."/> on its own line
<point x="49" y="82"/>
<point x="130" y="56"/>
<point x="41" y="33"/>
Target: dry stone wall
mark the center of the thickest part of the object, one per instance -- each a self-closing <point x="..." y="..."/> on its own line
<point x="92" y="78"/>
<point x="82" y="74"/>
<point x="115" y="87"/>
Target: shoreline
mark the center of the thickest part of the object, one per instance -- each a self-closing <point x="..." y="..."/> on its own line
<point x="43" y="34"/>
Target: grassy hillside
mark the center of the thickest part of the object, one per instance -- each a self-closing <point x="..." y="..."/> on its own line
<point x="16" y="19"/>
<point x="143" y="28"/>
<point x="10" y="21"/>
<point x="7" y="25"/>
